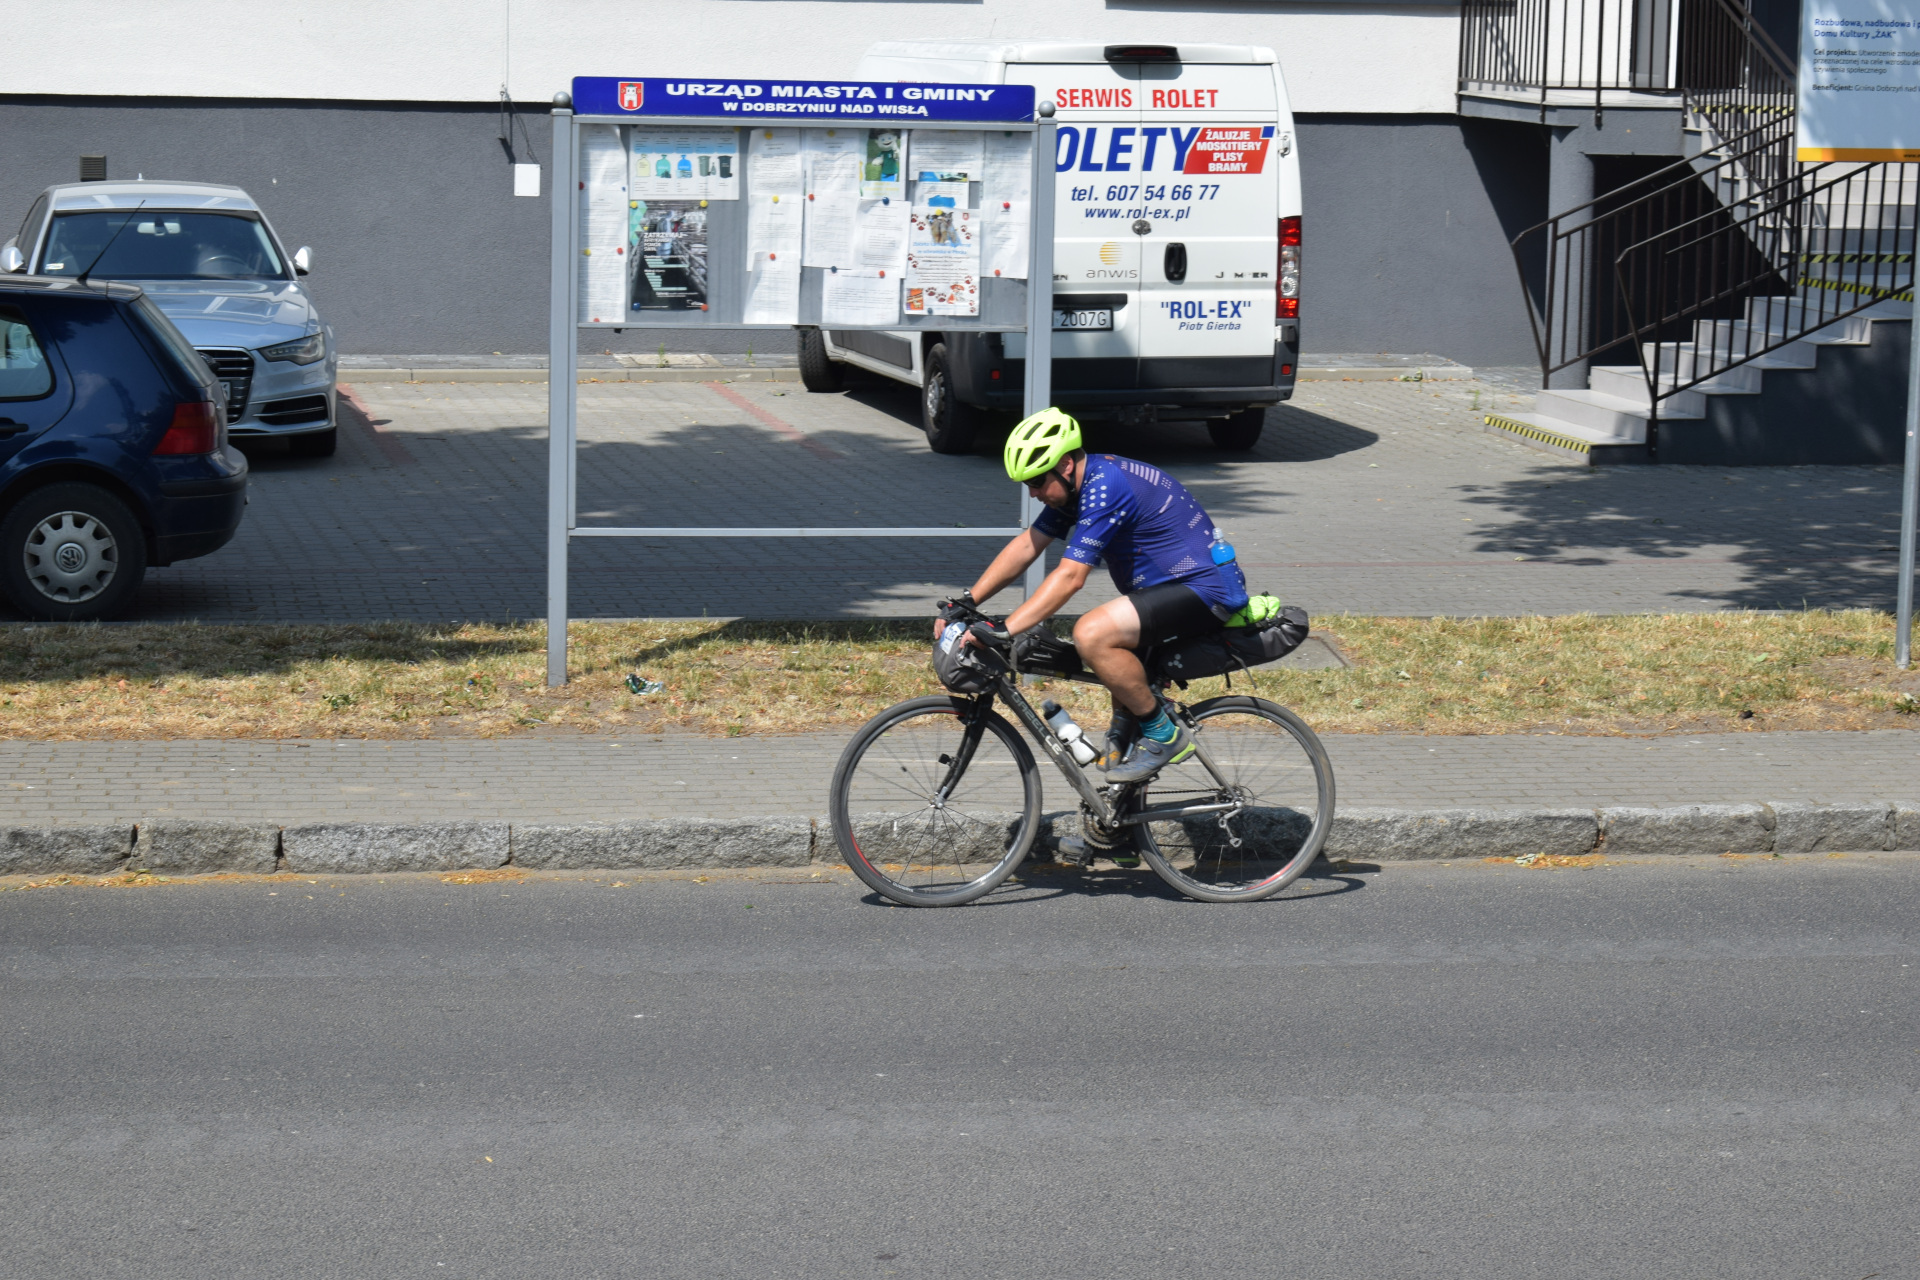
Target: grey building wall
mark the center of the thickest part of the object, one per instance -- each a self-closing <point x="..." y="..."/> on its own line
<point x="1406" y="222"/>
<point x="422" y="247"/>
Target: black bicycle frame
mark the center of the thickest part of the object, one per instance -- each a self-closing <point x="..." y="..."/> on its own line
<point x="1006" y="686"/>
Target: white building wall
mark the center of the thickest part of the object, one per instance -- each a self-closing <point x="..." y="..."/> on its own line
<point x="1336" y="56"/>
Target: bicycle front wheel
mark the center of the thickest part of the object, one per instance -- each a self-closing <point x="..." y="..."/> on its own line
<point x="935" y="802"/>
<point x="1271" y="764"/>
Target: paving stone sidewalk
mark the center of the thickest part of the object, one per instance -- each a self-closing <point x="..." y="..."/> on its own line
<point x="1363" y="496"/>
<point x="679" y="775"/>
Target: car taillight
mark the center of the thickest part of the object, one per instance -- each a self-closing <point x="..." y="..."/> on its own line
<point x="195" y="429"/>
<point x="1287" y="305"/>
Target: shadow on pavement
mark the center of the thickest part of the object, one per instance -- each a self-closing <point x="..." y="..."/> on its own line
<point x="1820" y="537"/>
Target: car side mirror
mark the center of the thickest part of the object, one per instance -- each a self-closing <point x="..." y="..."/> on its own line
<point x="12" y="261"/>
<point x="303" y="260"/>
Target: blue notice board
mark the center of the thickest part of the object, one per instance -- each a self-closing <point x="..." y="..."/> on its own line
<point x="878" y="102"/>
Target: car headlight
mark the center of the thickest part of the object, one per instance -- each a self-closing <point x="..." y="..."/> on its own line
<point x="301" y="350"/>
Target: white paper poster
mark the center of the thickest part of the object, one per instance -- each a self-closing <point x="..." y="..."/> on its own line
<point x="853" y="298"/>
<point x="774" y="224"/>
<point x="604" y="212"/>
<point x="773" y="290"/>
<point x="1004" y="239"/>
<point x="940" y="195"/>
<point x="1008" y="168"/>
<point x="776" y="161"/>
<point x="946" y="155"/>
<point x="685" y="164"/>
<point x="833" y="160"/>
<point x="880" y="237"/>
<point x="884" y="172"/>
<point x="943" y="264"/>
<point x="830" y="230"/>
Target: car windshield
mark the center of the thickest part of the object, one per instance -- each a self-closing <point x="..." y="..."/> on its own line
<point x="147" y="244"/>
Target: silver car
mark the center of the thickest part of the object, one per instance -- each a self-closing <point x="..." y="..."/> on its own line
<point x="208" y="257"/>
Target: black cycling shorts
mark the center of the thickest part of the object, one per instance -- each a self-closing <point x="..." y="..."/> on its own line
<point x="1171" y="612"/>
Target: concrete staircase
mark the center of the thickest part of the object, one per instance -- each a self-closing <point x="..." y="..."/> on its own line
<point x="1608" y="421"/>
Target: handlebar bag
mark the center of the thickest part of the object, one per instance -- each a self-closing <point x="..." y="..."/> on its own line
<point x="954" y="663"/>
<point x="1039" y="652"/>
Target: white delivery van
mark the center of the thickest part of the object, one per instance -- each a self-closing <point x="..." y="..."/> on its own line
<point x="1176" y="285"/>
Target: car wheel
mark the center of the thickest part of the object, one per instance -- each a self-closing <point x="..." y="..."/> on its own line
<point x="817" y="371"/>
<point x="71" y="553"/>
<point x="314" y="444"/>
<point x="950" y="423"/>
<point x="1241" y="431"/>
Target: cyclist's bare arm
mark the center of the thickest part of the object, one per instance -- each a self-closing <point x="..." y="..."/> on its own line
<point x="1059" y="587"/>
<point x="1026" y="547"/>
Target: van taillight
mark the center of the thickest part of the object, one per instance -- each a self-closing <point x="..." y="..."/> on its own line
<point x="195" y="429"/>
<point x="1287" y="304"/>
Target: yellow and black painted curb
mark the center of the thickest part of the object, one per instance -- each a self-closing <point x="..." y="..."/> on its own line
<point x="1540" y="435"/>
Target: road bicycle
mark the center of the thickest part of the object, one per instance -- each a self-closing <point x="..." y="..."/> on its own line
<point x="937" y="800"/>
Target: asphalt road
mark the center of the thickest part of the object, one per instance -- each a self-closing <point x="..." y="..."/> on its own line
<point x="1653" y="1069"/>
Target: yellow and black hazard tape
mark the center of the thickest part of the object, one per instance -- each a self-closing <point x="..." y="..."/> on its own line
<point x="1856" y="257"/>
<point x="1541" y="434"/>
<point x="1847" y="286"/>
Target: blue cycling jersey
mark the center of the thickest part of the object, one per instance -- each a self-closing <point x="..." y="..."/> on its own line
<point x="1148" y="529"/>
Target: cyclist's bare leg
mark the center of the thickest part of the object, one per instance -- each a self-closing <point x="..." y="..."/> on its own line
<point x="1106" y="638"/>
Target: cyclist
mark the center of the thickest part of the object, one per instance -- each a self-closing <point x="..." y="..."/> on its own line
<point x="1159" y="546"/>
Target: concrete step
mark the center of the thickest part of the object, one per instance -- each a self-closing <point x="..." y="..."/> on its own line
<point x="1611" y="418"/>
<point x="1627" y="382"/>
<point x="1568" y="439"/>
<point x="1684" y="362"/>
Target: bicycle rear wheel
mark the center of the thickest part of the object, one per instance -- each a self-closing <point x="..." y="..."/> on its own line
<point x="1272" y="763"/>
<point x="935" y="802"/>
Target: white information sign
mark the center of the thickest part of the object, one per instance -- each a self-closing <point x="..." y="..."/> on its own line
<point x="1859" y="81"/>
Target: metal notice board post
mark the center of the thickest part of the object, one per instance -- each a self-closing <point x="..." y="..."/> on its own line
<point x="1859" y="66"/>
<point x="667" y="198"/>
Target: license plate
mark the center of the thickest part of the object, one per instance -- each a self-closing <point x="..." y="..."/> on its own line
<point x="1090" y="319"/>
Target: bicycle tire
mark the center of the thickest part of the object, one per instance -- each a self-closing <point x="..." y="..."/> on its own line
<point x="987" y="821"/>
<point x="1279" y="768"/>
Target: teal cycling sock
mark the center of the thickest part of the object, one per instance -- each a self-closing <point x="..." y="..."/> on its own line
<point x="1160" y="727"/>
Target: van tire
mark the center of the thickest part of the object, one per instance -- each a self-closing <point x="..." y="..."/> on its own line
<point x="950" y="423"/>
<point x="1239" y="432"/>
<point x="818" y="372"/>
<point x="109" y="561"/>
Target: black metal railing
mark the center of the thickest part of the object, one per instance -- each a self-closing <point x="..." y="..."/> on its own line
<point x="1546" y="46"/>
<point x="1734" y="76"/>
<point x="1576" y="309"/>
<point x="1842" y="234"/>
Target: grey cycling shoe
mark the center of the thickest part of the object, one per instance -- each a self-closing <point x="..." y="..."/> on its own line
<point x="1149" y="757"/>
<point x="1122" y="733"/>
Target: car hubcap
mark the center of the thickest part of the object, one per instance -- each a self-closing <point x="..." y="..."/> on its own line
<point x="70" y="557"/>
<point x="936" y="393"/>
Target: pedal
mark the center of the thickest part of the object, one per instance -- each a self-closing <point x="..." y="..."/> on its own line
<point x="1074" y="851"/>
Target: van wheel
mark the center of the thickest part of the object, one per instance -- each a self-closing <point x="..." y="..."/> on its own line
<point x="817" y="371"/>
<point x="71" y="553"/>
<point x="950" y="424"/>
<point x="1239" y="432"/>
<point x="314" y="444"/>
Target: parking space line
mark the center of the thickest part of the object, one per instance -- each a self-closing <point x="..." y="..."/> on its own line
<point x="786" y="429"/>
<point x="390" y="445"/>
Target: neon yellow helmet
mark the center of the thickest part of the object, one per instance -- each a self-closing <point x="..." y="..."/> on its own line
<point x="1038" y="443"/>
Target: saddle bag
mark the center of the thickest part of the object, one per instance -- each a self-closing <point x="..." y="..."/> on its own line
<point x="1269" y="632"/>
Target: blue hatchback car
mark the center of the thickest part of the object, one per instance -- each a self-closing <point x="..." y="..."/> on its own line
<point x="113" y="447"/>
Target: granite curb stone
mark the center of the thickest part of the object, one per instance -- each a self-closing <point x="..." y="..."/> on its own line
<point x="354" y="846"/>
<point x="1800" y="827"/>
<point x="666" y="844"/>
<point x="49" y="850"/>
<point x="192" y="847"/>
<point x="1359" y="833"/>
<point x="1687" y="828"/>
<point x="1409" y="834"/>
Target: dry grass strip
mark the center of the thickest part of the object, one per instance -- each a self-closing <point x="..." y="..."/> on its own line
<point x="1578" y="674"/>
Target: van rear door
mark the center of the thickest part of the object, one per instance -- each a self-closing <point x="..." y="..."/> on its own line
<point x="1211" y="194"/>
<point x="1096" y="262"/>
